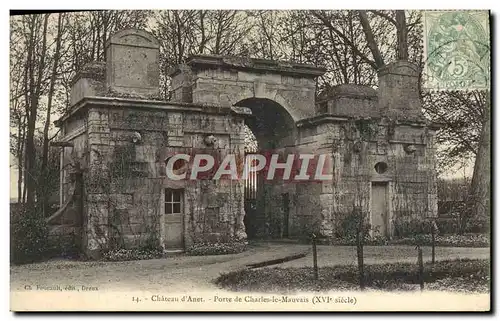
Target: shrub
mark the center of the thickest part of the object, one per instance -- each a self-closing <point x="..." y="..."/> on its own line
<point x="376" y="240"/>
<point x="405" y="228"/>
<point x="477" y="225"/>
<point x="63" y="246"/>
<point x="465" y="240"/>
<point x="452" y="225"/>
<point x="368" y="240"/>
<point x="350" y="226"/>
<point x="132" y="254"/>
<point x="29" y="237"/>
<point x="448" y="225"/>
<point x="217" y="248"/>
<point x="152" y="241"/>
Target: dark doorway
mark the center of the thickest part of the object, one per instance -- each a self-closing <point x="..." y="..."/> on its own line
<point x="251" y="205"/>
<point x="249" y="220"/>
<point x="271" y="129"/>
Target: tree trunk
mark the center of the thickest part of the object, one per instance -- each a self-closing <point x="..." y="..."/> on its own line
<point x="402" y="32"/>
<point x="29" y="85"/>
<point x="203" y="41"/>
<point x="105" y="30"/>
<point x="35" y="92"/>
<point x="218" y="35"/>
<point x="179" y="29"/>
<point x="45" y="152"/>
<point x="481" y="179"/>
<point x="370" y="39"/>
<point x="20" y="165"/>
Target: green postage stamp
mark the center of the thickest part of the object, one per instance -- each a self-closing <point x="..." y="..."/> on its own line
<point x="457" y="50"/>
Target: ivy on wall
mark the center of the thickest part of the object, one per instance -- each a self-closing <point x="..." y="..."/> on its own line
<point x="367" y="128"/>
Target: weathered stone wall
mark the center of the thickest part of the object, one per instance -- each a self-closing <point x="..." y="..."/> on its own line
<point x="89" y="82"/>
<point x="315" y="200"/>
<point x="278" y="94"/>
<point x="125" y="179"/>
<point x="71" y="164"/>
<point x="357" y="144"/>
<point x="225" y="81"/>
<point x="349" y="101"/>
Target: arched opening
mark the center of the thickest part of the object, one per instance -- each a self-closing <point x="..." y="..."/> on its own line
<point x="270" y="129"/>
<point x="271" y="124"/>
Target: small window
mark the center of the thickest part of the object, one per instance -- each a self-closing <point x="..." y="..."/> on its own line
<point x="381" y="167"/>
<point x="173" y="201"/>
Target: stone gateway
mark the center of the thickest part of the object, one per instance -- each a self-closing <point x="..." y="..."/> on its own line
<point x="119" y="134"/>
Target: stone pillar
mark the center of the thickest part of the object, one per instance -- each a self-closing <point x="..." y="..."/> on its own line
<point x="237" y="147"/>
<point x="398" y="92"/>
<point x="97" y="184"/>
<point x="327" y="139"/>
<point x="132" y="64"/>
<point x="88" y="82"/>
<point x="182" y="84"/>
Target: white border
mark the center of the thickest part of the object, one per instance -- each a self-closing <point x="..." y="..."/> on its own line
<point x="254" y="4"/>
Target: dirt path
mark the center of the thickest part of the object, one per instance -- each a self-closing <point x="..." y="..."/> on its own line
<point x="185" y="273"/>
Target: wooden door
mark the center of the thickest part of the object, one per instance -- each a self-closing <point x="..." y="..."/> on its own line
<point x="379" y="209"/>
<point x="174" y="214"/>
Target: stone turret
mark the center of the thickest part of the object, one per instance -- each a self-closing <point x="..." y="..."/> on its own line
<point x="89" y="82"/>
<point x="132" y="64"/>
<point x="349" y="100"/>
<point x="398" y="92"/>
<point x="131" y="69"/>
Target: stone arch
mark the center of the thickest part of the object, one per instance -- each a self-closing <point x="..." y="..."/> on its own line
<point x="272" y="123"/>
<point x="264" y="95"/>
<point x="224" y="81"/>
<point x="275" y="130"/>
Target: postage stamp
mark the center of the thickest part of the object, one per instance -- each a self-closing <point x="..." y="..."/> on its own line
<point x="457" y="50"/>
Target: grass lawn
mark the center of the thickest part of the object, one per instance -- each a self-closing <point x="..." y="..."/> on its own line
<point x="453" y="275"/>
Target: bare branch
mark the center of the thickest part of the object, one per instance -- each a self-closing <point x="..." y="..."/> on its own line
<point x="370" y="39"/>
